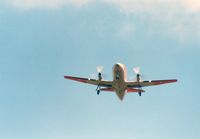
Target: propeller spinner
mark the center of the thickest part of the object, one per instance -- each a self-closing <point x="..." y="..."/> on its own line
<point x="100" y="70"/>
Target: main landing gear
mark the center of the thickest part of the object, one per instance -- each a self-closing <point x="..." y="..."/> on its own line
<point x="98" y="90"/>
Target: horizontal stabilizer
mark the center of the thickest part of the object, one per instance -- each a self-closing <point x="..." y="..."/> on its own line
<point x="132" y="90"/>
<point x="107" y="89"/>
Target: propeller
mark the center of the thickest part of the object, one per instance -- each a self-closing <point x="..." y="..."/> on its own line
<point x="98" y="74"/>
<point x="100" y="69"/>
<point x="138" y="75"/>
<point x="136" y="70"/>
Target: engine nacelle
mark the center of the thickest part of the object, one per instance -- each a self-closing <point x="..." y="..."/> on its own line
<point x="99" y="76"/>
<point x="138" y="77"/>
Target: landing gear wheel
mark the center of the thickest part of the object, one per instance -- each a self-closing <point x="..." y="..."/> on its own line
<point x="140" y="93"/>
<point x="98" y="92"/>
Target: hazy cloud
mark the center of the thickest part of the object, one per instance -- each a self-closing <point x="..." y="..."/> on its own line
<point x="192" y="5"/>
<point x="142" y="6"/>
<point x="52" y="4"/>
<point x="128" y="6"/>
<point x="177" y="18"/>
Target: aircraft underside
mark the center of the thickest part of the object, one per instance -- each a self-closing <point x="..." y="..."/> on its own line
<point x="119" y="84"/>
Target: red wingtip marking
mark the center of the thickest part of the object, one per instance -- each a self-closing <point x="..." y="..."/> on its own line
<point x="75" y="79"/>
<point x="164" y="82"/>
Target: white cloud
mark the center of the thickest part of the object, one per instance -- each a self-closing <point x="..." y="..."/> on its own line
<point x="128" y="6"/>
<point x="142" y="6"/>
<point x="179" y="18"/>
<point x="192" y="5"/>
<point x="51" y="4"/>
<point x="150" y="7"/>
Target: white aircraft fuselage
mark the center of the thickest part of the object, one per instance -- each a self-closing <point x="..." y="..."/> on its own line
<point x="119" y="80"/>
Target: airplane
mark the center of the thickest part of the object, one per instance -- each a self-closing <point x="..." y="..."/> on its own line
<point x="119" y="84"/>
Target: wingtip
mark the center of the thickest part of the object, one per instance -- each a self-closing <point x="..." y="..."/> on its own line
<point x="175" y="80"/>
<point x="66" y="76"/>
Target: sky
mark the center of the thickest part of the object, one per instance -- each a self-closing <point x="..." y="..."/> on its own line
<point x="43" y="40"/>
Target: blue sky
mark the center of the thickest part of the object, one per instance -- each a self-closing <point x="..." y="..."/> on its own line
<point x="41" y="41"/>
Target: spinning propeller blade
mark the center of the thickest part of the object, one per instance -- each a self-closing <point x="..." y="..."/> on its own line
<point x="136" y="70"/>
<point x="99" y="69"/>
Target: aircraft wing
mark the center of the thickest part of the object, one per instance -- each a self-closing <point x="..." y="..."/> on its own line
<point x="102" y="83"/>
<point x="148" y="83"/>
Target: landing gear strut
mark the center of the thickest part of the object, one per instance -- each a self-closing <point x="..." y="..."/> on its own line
<point x="99" y="78"/>
<point x="98" y="90"/>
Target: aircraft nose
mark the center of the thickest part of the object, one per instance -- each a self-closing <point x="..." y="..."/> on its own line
<point x="117" y="65"/>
